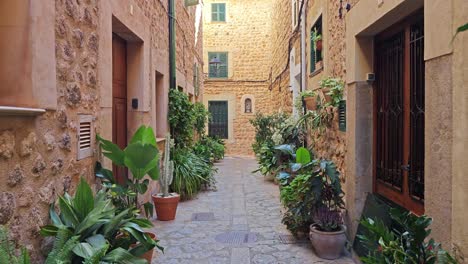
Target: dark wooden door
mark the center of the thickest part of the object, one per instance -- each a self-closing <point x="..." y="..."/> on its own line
<point x="399" y="114"/>
<point x="119" y="99"/>
<point x="218" y="125"/>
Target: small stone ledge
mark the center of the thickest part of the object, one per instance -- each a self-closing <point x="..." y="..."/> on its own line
<point x="20" y="111"/>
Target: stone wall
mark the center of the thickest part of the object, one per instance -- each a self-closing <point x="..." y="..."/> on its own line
<point x="282" y="42"/>
<point x="38" y="154"/>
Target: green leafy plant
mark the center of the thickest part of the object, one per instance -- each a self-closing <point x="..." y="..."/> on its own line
<point x="210" y="148"/>
<point x="316" y="37"/>
<point x="181" y="118"/>
<point x="141" y="157"/>
<point x="8" y="252"/>
<point x="84" y="217"/>
<point x="410" y="245"/>
<point x="308" y="93"/>
<point x="201" y="117"/>
<point x="191" y="173"/>
<point x="334" y="88"/>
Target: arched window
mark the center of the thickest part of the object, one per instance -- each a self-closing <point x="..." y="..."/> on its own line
<point x="248" y="106"/>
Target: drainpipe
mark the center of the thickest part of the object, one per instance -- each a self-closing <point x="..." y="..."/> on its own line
<point x="303" y="46"/>
<point x="172" y="46"/>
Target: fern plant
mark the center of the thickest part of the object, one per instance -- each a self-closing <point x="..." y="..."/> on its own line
<point x="7" y="250"/>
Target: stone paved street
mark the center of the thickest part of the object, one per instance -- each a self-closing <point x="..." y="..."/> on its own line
<point x="243" y="202"/>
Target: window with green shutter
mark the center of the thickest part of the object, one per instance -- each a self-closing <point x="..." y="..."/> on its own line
<point x="316" y="54"/>
<point x="218" y="12"/>
<point x="218" y="70"/>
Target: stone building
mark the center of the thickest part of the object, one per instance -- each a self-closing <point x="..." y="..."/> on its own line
<point x="426" y="174"/>
<point x="251" y="41"/>
<point x="70" y="69"/>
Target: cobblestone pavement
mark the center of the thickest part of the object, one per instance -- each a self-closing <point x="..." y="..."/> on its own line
<point x="243" y="202"/>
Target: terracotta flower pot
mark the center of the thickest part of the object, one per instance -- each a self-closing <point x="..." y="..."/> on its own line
<point x="311" y="102"/>
<point x="327" y="245"/>
<point x="319" y="45"/>
<point x="166" y="207"/>
<point x="148" y="255"/>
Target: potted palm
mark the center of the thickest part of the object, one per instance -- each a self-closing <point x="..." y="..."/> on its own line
<point x="327" y="234"/>
<point x="165" y="202"/>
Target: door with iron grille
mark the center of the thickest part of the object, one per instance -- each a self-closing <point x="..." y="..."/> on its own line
<point x="218" y="125"/>
<point x="399" y="114"/>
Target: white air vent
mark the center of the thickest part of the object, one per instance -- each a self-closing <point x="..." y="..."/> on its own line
<point x="85" y="137"/>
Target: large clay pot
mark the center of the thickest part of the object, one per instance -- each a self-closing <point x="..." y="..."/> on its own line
<point x="327" y="245"/>
<point x="166" y="207"/>
<point x="311" y="102"/>
<point x="148" y="255"/>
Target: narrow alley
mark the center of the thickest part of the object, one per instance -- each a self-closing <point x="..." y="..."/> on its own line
<point x="238" y="223"/>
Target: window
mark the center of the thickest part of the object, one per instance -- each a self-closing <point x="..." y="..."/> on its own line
<point x="218" y="12"/>
<point x="316" y="58"/>
<point x="295" y="12"/>
<point x="399" y="115"/>
<point x="248" y="106"/>
<point x="218" y="124"/>
<point x="220" y="68"/>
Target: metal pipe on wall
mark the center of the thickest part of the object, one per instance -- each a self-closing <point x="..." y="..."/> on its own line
<point x="172" y="45"/>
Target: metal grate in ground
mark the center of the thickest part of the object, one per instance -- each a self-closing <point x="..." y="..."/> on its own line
<point x="236" y="237"/>
<point x="290" y="239"/>
<point x="203" y="216"/>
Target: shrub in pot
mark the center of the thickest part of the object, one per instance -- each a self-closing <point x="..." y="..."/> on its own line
<point x="327" y="234"/>
<point x="165" y="202"/>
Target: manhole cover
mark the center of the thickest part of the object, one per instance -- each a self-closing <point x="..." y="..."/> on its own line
<point x="290" y="239"/>
<point x="236" y="237"/>
<point x="202" y="217"/>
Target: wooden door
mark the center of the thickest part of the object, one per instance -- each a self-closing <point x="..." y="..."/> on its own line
<point x="218" y="125"/>
<point x="399" y="114"/>
<point x="119" y="100"/>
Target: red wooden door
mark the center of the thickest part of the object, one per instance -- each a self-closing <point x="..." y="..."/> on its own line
<point x="399" y="114"/>
<point x="119" y="99"/>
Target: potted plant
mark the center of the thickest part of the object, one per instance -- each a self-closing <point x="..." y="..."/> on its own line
<point x="332" y="90"/>
<point x="317" y="39"/>
<point x="310" y="99"/>
<point x="327" y="233"/>
<point x="165" y="202"/>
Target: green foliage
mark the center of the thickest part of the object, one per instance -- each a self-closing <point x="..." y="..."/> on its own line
<point x="201" y="117"/>
<point x="335" y="87"/>
<point x="264" y="128"/>
<point x="210" y="148"/>
<point x="7" y="250"/>
<point x="85" y="216"/>
<point x="191" y="173"/>
<point x="181" y="118"/>
<point x="412" y="245"/>
<point x="308" y="93"/>
<point x="141" y="157"/>
<point x="314" y="195"/>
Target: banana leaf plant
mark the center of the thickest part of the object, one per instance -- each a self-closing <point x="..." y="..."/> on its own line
<point x="83" y="217"/>
<point x="141" y="157"/>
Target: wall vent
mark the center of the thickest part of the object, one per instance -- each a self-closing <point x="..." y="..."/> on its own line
<point x="85" y="137"/>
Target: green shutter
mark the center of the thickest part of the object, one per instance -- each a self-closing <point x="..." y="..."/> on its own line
<point x="218" y="12"/>
<point x="312" y="52"/>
